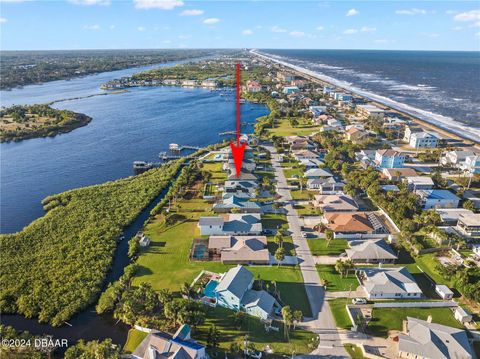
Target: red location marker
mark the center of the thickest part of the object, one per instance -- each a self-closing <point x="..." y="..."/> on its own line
<point x="238" y="149"/>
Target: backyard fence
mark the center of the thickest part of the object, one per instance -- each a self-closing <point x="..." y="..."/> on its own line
<point x="420" y="304"/>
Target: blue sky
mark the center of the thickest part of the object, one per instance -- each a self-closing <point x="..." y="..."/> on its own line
<point x="109" y="24"/>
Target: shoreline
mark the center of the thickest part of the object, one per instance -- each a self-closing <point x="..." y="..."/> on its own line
<point x="463" y="133"/>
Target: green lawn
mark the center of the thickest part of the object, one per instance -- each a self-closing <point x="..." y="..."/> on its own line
<point x="287" y="245"/>
<point x="290" y="172"/>
<point x="165" y="263"/>
<point x="283" y="128"/>
<point x="306" y="210"/>
<point x="354" y="351"/>
<point x="302" y="195"/>
<point x="339" y="312"/>
<point x="385" y="319"/>
<point x="273" y="221"/>
<point x="335" y="282"/>
<point x="223" y="319"/>
<point x="318" y="247"/>
<point x="134" y="338"/>
<point x="218" y="176"/>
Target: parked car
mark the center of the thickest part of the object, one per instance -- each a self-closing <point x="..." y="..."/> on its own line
<point x="267" y="231"/>
<point x="304" y="234"/>
<point x="359" y="301"/>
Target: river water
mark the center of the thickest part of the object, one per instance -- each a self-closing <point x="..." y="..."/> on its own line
<point x="128" y="126"/>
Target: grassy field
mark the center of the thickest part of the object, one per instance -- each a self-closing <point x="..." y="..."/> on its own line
<point x="290" y="172"/>
<point x="283" y="128"/>
<point x="335" y="282"/>
<point x="354" y="351"/>
<point x="134" y="338"/>
<point x="339" y="312"/>
<point x="287" y="245"/>
<point x="306" y="210"/>
<point x="302" y="195"/>
<point x="385" y="319"/>
<point x="273" y="221"/>
<point x="218" y="176"/>
<point x="223" y="319"/>
<point x="318" y="247"/>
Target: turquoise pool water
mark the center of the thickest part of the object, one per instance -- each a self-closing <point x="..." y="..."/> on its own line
<point x="209" y="290"/>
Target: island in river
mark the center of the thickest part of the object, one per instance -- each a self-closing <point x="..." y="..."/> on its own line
<point x="32" y="121"/>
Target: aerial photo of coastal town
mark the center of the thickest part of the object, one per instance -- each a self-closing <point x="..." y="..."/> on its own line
<point x="188" y="179"/>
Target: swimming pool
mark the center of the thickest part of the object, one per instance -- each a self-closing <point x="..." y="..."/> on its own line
<point x="209" y="290"/>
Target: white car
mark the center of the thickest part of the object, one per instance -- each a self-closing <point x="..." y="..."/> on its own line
<point x="359" y="301"/>
<point x="304" y="234"/>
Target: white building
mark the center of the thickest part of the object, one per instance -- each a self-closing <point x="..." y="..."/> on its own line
<point x="388" y="283"/>
<point x="443" y="291"/>
<point x="370" y="111"/>
<point x="423" y="140"/>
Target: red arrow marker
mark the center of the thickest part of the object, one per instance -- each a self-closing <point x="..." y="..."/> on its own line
<point x="238" y="149"/>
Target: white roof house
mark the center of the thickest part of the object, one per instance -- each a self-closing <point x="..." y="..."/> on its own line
<point x="416" y="183"/>
<point x="423" y="339"/>
<point x="443" y="291"/>
<point x="317" y="173"/>
<point x="384" y="283"/>
<point x="234" y="224"/>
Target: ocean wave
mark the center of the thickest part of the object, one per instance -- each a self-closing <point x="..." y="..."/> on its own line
<point x="444" y="122"/>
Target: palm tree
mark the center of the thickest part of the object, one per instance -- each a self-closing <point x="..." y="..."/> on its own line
<point x="279" y="255"/>
<point x="287" y="319"/>
<point x="279" y="239"/>
<point x="185" y="290"/>
<point x="328" y="236"/>
<point x="340" y="267"/>
<point x="297" y="318"/>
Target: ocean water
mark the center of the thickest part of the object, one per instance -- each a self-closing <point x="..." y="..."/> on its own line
<point x="444" y="86"/>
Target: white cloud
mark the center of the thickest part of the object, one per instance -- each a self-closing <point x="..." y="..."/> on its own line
<point x="141" y="28"/>
<point x="90" y="2"/>
<point x="192" y="12"/>
<point x="475" y="24"/>
<point x="91" y="27"/>
<point x="430" y="34"/>
<point x="3" y="20"/>
<point x="320" y="28"/>
<point x="472" y="15"/>
<point x="352" y="12"/>
<point x="247" y="32"/>
<point x="297" y="33"/>
<point x="278" y="29"/>
<point x="413" y="11"/>
<point x="211" y="21"/>
<point x="350" y="31"/>
<point x="184" y="37"/>
<point x="158" y="4"/>
<point x="111" y="27"/>
<point x="368" y="29"/>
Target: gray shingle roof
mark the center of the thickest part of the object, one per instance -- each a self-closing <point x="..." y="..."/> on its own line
<point x="210" y="221"/>
<point x="370" y="249"/>
<point x="430" y="340"/>
<point x="236" y="280"/>
<point x="389" y="280"/>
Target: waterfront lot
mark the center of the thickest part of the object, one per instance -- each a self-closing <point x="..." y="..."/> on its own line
<point x="165" y="263"/>
<point x="134" y="338"/>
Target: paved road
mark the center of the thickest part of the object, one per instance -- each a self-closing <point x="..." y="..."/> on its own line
<point x="322" y="321"/>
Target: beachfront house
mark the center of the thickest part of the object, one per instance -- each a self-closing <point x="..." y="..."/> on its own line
<point x="417" y="183"/>
<point x="370" y="110"/>
<point x="455" y="158"/>
<point x="422" y="339"/>
<point x="469" y="225"/>
<point x="288" y="90"/>
<point x="389" y="159"/>
<point x="163" y="345"/>
<point x="423" y="140"/>
<point x="231" y="224"/>
<point x="253" y="86"/>
<point x="471" y="164"/>
<point x="437" y="198"/>
<point x="388" y="283"/>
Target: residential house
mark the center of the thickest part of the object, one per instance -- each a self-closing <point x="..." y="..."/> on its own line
<point x="325" y="185"/>
<point x="462" y="315"/>
<point x="389" y="159"/>
<point x="234" y="291"/>
<point x="417" y="183"/>
<point x="290" y="90"/>
<point x="423" y="339"/>
<point x="209" y="83"/>
<point x="443" y="291"/>
<point x="239" y="249"/>
<point x="370" y="251"/>
<point x="423" y="140"/>
<point x="388" y="283"/>
<point x="163" y="345"/>
<point x="396" y="174"/>
<point x="238" y="202"/>
<point x="170" y="82"/>
<point x="355" y="135"/>
<point x="471" y="164"/>
<point x="285" y="76"/>
<point x="317" y="173"/>
<point x="437" y="198"/>
<point x="244" y="175"/>
<point x="247" y="187"/>
<point x="231" y="224"/>
<point x="469" y="225"/>
<point x="189" y="83"/>
<point x="450" y="216"/>
<point x="455" y="158"/>
<point x="317" y="110"/>
<point x="304" y="155"/>
<point x="409" y="130"/>
<point x="353" y="222"/>
<point x="370" y="111"/>
<point x="311" y="163"/>
<point x="253" y="86"/>
<point x="335" y="203"/>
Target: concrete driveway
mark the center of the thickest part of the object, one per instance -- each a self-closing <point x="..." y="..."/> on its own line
<point x="322" y="321"/>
